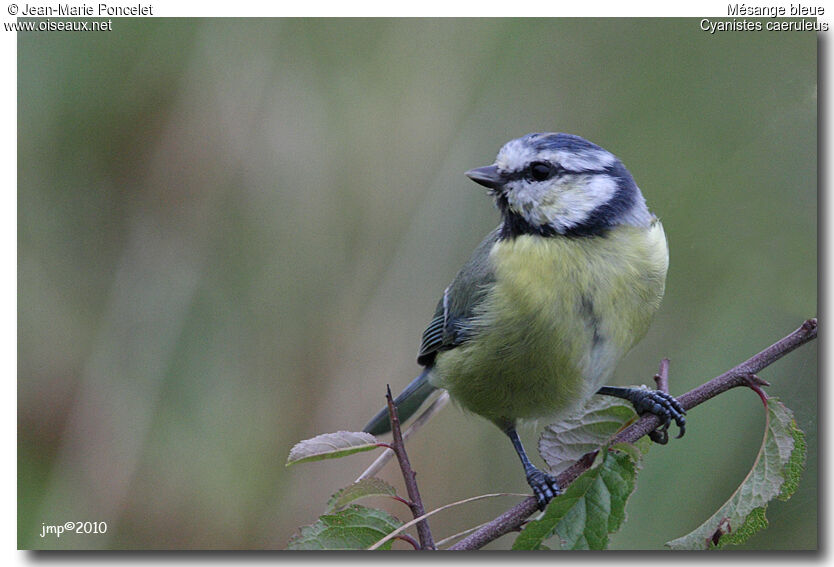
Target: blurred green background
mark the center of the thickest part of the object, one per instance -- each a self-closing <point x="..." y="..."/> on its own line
<point x="232" y="233"/>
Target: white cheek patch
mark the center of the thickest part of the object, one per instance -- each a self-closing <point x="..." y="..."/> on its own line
<point x="561" y="203"/>
<point x="526" y="199"/>
<point x="580" y="197"/>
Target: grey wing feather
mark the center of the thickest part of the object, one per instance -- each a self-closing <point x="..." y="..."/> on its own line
<point x="450" y="325"/>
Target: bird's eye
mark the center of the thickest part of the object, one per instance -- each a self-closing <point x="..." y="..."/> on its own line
<point x="539" y="170"/>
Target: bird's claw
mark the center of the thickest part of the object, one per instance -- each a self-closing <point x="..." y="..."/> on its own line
<point x="666" y="407"/>
<point x="544" y="486"/>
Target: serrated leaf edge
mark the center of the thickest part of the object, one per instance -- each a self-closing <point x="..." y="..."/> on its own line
<point x="593" y="475"/>
<point x="757" y="512"/>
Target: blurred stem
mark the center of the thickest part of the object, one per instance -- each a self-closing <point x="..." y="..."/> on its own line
<point x="410" y="540"/>
<point x="459" y="535"/>
<point x="416" y="503"/>
<point x="405" y="526"/>
<point x="421" y="420"/>
<point x="741" y="375"/>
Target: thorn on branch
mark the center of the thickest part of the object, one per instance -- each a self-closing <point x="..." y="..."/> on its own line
<point x="661" y="435"/>
<point x="662" y="376"/>
<point x="757" y="380"/>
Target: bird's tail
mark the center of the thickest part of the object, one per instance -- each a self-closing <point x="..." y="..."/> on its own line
<point x="407" y="404"/>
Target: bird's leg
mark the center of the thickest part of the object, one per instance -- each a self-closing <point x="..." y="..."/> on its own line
<point x="544" y="486"/>
<point x="655" y="402"/>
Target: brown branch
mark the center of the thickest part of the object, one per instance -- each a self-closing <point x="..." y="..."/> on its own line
<point x="415" y="426"/>
<point x="662" y="376"/>
<point x="410" y="477"/>
<point x="741" y="375"/>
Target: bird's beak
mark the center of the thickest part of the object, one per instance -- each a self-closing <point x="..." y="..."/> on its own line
<point x="488" y="176"/>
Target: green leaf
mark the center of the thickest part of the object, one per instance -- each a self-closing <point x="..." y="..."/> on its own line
<point x="592" y="508"/>
<point x="361" y="489"/>
<point x="355" y="527"/>
<point x="563" y="443"/>
<point x="775" y="474"/>
<point x="331" y="446"/>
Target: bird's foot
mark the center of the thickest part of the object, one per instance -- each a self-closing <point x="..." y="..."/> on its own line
<point x="664" y="406"/>
<point x="544" y="487"/>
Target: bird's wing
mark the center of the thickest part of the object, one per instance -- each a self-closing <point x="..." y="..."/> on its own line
<point x="450" y="325"/>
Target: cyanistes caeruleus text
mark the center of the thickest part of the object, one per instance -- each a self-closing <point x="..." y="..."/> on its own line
<point x="538" y="318"/>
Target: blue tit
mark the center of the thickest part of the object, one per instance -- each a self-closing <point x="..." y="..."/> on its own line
<point x="542" y="312"/>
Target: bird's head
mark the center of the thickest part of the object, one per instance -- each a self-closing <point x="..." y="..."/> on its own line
<point x="552" y="183"/>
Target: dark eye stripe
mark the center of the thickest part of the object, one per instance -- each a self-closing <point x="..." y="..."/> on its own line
<point x="545" y="171"/>
<point x="558" y="171"/>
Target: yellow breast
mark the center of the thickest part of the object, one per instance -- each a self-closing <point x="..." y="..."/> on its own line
<point x="560" y="315"/>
